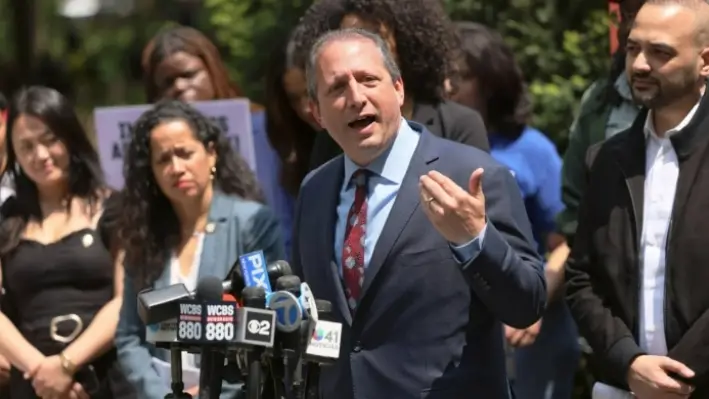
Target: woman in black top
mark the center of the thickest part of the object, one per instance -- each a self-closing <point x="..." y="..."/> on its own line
<point x="62" y="280"/>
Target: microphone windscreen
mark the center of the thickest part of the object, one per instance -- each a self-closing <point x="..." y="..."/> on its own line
<point x="323" y="306"/>
<point x="209" y="288"/>
<point x="287" y="283"/>
<point x="280" y="268"/>
<point x="237" y="279"/>
<point x="254" y="297"/>
<point x="228" y="298"/>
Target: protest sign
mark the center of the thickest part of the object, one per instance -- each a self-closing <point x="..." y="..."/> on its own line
<point x="114" y="125"/>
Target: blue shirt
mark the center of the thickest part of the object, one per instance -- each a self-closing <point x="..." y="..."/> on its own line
<point x="268" y="166"/>
<point x="536" y="165"/>
<point x="386" y="175"/>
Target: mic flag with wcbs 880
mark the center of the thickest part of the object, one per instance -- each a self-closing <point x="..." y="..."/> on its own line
<point x="207" y="319"/>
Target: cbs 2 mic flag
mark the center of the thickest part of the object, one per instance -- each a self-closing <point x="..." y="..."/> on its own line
<point x="258" y="326"/>
<point x="206" y="322"/>
<point x="253" y="268"/>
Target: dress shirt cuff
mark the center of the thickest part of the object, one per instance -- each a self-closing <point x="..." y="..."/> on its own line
<point x="466" y="253"/>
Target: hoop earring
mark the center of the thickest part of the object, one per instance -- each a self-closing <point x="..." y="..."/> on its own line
<point x="214" y="172"/>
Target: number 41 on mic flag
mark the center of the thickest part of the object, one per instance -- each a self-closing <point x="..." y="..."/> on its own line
<point x="206" y="322"/>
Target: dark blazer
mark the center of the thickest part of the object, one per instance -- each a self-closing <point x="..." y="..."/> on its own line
<point x="240" y="227"/>
<point x="602" y="272"/>
<point x="446" y="119"/>
<point x="426" y="326"/>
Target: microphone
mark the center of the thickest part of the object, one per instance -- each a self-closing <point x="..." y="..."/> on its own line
<point x="159" y="305"/>
<point x="307" y="302"/>
<point x="254" y="297"/>
<point x="289" y="322"/>
<point x="325" y="342"/>
<point x="253" y="263"/>
<point x="209" y="289"/>
<point x="286" y="304"/>
<point x="323" y="347"/>
<point x="277" y="270"/>
<point x="253" y="271"/>
<point x="222" y="323"/>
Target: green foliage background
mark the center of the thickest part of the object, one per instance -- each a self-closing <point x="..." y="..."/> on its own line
<point x="561" y="45"/>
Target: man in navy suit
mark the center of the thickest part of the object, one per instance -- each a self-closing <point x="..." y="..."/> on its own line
<point x="421" y="272"/>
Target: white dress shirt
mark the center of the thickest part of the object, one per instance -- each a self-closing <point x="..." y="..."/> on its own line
<point x="661" y="174"/>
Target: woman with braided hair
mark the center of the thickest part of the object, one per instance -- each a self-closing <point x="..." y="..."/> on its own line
<point x="190" y="207"/>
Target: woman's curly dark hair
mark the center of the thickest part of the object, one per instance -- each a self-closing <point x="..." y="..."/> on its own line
<point x="149" y="227"/>
<point x="424" y="36"/>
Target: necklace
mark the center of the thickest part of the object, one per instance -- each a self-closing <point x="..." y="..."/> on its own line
<point x="208" y="228"/>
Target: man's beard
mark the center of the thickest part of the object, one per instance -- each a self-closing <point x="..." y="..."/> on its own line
<point x="665" y="91"/>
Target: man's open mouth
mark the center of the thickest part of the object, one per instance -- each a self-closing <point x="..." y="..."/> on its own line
<point x="362" y="122"/>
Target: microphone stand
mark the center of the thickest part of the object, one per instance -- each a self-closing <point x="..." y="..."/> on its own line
<point x="176" y="370"/>
<point x="312" y="381"/>
<point x="254" y="298"/>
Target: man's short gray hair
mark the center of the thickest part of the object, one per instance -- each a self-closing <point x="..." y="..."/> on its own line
<point x="343" y="35"/>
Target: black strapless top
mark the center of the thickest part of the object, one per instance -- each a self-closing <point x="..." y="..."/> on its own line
<point x="72" y="276"/>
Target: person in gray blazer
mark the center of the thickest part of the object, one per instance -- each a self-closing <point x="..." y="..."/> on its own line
<point x="191" y="206"/>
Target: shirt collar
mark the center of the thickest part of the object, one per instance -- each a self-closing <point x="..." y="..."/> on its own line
<point x="390" y="164"/>
<point x="649" y="127"/>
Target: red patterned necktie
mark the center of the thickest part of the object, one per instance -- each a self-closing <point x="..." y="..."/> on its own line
<point x="353" y="248"/>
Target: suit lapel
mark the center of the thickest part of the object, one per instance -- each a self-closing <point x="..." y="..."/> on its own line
<point x="407" y="200"/>
<point x="216" y="237"/>
<point x="631" y="157"/>
<point x="685" y="143"/>
<point x="325" y="233"/>
<point x="164" y="279"/>
<point x="427" y="115"/>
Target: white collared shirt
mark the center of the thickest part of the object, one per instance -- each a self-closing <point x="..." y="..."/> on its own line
<point x="661" y="174"/>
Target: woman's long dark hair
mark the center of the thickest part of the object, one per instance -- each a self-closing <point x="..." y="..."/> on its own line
<point x="86" y="179"/>
<point x="501" y="83"/>
<point x="149" y="227"/>
<point x="290" y="136"/>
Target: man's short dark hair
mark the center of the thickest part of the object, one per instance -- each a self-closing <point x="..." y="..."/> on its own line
<point x="347" y="34"/>
<point x="424" y="36"/>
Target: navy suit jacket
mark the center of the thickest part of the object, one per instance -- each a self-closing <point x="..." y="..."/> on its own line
<point x="426" y="326"/>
